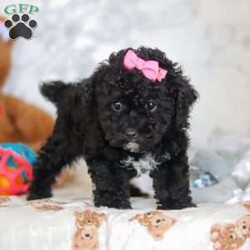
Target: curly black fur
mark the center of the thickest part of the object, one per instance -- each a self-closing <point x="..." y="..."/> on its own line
<point x="88" y="125"/>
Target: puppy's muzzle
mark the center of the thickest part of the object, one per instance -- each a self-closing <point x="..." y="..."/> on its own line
<point x="131" y="133"/>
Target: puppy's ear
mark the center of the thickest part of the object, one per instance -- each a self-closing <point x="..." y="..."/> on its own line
<point x="185" y="96"/>
<point x="177" y="85"/>
<point x="98" y="77"/>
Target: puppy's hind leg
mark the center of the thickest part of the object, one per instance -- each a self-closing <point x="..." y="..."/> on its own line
<point x="54" y="155"/>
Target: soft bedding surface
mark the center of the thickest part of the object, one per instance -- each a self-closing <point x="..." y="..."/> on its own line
<point x="70" y="221"/>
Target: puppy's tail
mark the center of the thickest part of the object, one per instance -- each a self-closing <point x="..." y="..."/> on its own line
<point x="53" y="91"/>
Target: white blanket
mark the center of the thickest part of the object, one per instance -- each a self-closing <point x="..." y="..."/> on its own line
<point x="70" y="221"/>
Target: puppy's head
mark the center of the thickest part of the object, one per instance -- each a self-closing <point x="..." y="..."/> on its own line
<point x="135" y="110"/>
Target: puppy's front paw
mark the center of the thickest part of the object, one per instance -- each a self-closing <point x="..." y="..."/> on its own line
<point x="111" y="203"/>
<point x="187" y="205"/>
<point x="33" y="196"/>
<point x="114" y="205"/>
<point x="176" y="206"/>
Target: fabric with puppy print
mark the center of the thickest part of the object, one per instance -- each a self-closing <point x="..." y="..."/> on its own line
<point x="231" y="236"/>
<point x="76" y="224"/>
<point x="156" y="222"/>
<point x="87" y="225"/>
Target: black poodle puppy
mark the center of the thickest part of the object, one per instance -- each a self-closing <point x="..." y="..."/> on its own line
<point x="129" y="118"/>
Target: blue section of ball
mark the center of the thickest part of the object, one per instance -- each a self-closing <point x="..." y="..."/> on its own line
<point x="22" y="150"/>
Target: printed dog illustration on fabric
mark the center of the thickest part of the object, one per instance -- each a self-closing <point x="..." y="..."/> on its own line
<point x="231" y="236"/>
<point x="87" y="225"/>
<point x="156" y="222"/>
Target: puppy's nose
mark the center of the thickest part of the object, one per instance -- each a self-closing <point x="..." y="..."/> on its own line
<point x="131" y="133"/>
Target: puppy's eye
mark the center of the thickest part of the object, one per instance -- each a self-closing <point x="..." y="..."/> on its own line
<point x="151" y="106"/>
<point x="117" y="106"/>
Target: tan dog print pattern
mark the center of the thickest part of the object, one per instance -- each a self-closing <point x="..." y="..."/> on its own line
<point x="86" y="235"/>
<point x="156" y="223"/>
<point x="4" y="201"/>
<point x="231" y="236"/>
<point x="78" y="225"/>
<point x="47" y="205"/>
<point x="225" y="237"/>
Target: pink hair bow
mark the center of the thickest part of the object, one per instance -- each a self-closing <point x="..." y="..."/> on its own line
<point x="150" y="69"/>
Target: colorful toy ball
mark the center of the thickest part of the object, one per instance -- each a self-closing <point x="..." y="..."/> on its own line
<point x="16" y="170"/>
